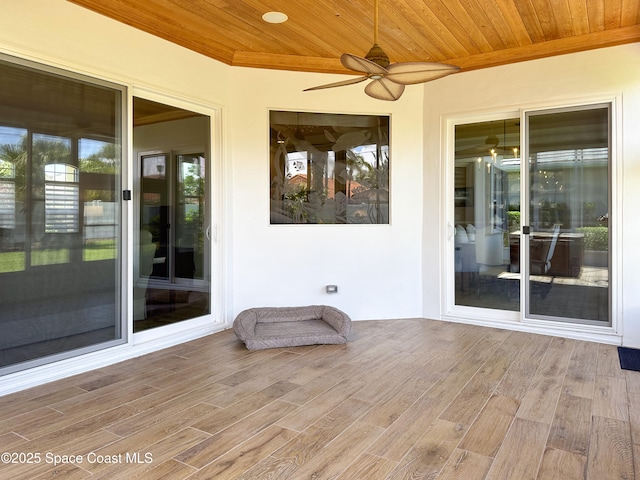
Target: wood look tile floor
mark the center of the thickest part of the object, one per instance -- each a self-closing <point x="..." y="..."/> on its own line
<point x="404" y="399"/>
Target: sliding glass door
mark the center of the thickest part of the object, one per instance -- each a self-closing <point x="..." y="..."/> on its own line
<point x="487" y="214"/>
<point x="60" y="211"/>
<point x="567" y="232"/>
<point x="533" y="237"/>
<point x="172" y="263"/>
<point x="62" y="270"/>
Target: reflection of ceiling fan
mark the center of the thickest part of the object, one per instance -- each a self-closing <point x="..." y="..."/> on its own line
<point x="491" y="146"/>
<point x="388" y="79"/>
<point x="497" y="137"/>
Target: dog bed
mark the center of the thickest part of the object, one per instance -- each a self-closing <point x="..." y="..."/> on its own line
<point x="275" y="327"/>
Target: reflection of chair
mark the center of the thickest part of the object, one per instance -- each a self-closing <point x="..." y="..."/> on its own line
<point x="466" y="263"/>
<point x="145" y="267"/>
<point x="541" y="263"/>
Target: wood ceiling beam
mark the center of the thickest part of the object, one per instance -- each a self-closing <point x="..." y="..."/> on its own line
<point x="606" y="38"/>
<point x="288" y="62"/>
<point x="590" y="41"/>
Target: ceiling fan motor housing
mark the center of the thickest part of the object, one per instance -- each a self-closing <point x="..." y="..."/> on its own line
<point x="377" y="55"/>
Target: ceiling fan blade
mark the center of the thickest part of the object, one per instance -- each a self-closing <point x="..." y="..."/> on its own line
<point x="409" y="73"/>
<point x="361" y="64"/>
<point x="351" y="81"/>
<point x="384" y="89"/>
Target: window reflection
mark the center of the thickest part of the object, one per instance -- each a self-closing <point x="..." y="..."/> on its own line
<point x="173" y="282"/>
<point x="329" y="168"/>
<point x="98" y="164"/>
<point x="13" y="154"/>
<point x="7" y="194"/>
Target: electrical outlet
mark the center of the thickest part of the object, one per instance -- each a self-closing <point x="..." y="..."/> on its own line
<point x="332" y="289"/>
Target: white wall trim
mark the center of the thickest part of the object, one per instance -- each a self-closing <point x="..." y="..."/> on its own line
<point x="576" y="332"/>
<point x="218" y="221"/>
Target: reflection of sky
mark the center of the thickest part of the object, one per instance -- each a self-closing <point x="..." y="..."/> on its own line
<point x="296" y="163"/>
<point x="368" y="152"/>
<point x="364" y="148"/>
<point x="14" y="136"/>
<point x="88" y="147"/>
<point x="154" y="166"/>
<point x="192" y="166"/>
<point x="11" y="136"/>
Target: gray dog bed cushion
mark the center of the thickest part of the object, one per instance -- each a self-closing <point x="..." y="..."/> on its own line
<point x="273" y="327"/>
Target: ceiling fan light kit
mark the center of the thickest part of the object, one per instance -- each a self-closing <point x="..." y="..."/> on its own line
<point x="387" y="79"/>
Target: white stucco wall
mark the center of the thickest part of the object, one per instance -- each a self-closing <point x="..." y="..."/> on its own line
<point x="376" y="267"/>
<point x="563" y="80"/>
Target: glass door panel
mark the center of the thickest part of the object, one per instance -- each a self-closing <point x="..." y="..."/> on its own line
<point x="172" y="280"/>
<point x="487" y="214"/>
<point x="154" y="215"/>
<point x="60" y="216"/>
<point x="568" y="244"/>
<point x="190" y="225"/>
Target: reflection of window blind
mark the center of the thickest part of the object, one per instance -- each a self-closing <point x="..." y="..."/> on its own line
<point x="7" y="205"/>
<point x="61" y="208"/>
<point x="594" y="156"/>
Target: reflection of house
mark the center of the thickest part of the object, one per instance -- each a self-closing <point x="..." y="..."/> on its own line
<point x="302" y="181"/>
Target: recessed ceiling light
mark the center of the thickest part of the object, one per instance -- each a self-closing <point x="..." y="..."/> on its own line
<point x="275" y="17"/>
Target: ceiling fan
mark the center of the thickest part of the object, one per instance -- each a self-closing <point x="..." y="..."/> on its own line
<point x="387" y="79"/>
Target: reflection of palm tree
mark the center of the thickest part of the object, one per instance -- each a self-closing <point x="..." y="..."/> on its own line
<point x="103" y="161"/>
<point x="15" y="157"/>
<point x="46" y="151"/>
<point x="12" y="153"/>
<point x="357" y="169"/>
<point x="51" y="150"/>
<point x="374" y="181"/>
<point x="193" y="183"/>
<point x="367" y="175"/>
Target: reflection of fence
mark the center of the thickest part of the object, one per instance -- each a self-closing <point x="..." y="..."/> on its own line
<point x="99" y="220"/>
<point x="7" y="204"/>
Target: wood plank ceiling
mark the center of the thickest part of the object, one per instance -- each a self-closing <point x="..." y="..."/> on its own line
<point x="471" y="34"/>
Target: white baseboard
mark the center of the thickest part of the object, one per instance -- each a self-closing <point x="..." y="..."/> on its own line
<point x="598" y="334"/>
